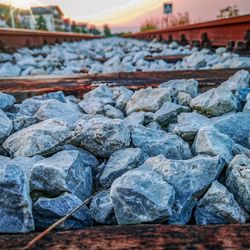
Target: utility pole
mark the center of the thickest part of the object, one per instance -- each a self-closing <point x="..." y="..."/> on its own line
<point x="12" y="16"/>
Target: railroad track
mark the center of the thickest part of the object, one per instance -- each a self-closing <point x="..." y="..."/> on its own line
<point x="13" y="39"/>
<point x="77" y="85"/>
<point x="232" y="32"/>
<point x="127" y="237"/>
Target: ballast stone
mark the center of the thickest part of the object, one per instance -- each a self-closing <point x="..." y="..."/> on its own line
<point x="237" y="180"/>
<point x="49" y="210"/>
<point x="218" y="206"/>
<point x="101" y="136"/>
<point x="41" y="138"/>
<point x="15" y="203"/>
<point x="6" y="126"/>
<point x="62" y="172"/>
<point x="214" y="102"/>
<point x="148" y="100"/>
<point x="141" y="196"/>
<point x="102" y="208"/>
<point x="189" y="179"/>
<point x="154" y="142"/>
<point x="119" y="163"/>
<point x="6" y="101"/>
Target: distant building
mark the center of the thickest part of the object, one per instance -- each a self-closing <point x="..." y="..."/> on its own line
<point x="67" y="24"/>
<point x="52" y="15"/>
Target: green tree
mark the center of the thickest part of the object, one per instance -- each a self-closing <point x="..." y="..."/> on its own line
<point x="106" y="30"/>
<point x="41" y="23"/>
<point x="94" y="31"/>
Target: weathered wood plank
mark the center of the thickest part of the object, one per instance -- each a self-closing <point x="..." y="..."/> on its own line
<point x="140" y="237"/>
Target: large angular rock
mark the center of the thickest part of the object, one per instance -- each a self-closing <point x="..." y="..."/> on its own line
<point x="154" y="142"/>
<point x="101" y="136"/>
<point x="47" y="211"/>
<point x="189" y="179"/>
<point x="236" y="126"/>
<point x="210" y="141"/>
<point x="189" y="86"/>
<point x="41" y="138"/>
<point x="5" y="126"/>
<point x="237" y="180"/>
<point x="195" y="60"/>
<point x="136" y="118"/>
<point x="141" y="196"/>
<point x="63" y="172"/>
<point x="240" y="79"/>
<point x="15" y="203"/>
<point x="121" y="95"/>
<point x="188" y="125"/>
<point x="247" y="105"/>
<point x="58" y="95"/>
<point x="102" y="208"/>
<point x="6" y="101"/>
<point x="168" y="113"/>
<point x="214" y="102"/>
<point x="70" y="113"/>
<point x="119" y="163"/>
<point x="218" y="206"/>
<point x="148" y="100"/>
<point x="9" y="70"/>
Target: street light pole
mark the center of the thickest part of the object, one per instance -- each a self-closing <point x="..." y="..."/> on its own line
<point x="12" y="16"/>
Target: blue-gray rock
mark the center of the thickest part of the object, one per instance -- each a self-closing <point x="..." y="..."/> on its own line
<point x="148" y="100"/>
<point x="210" y="141"/>
<point x="214" y="102"/>
<point x="168" y="113"/>
<point x="236" y="126"/>
<point x="102" y="208"/>
<point x="5" y="126"/>
<point x="218" y="206"/>
<point x="154" y="142"/>
<point x="87" y="159"/>
<point x="121" y="95"/>
<point x="183" y="98"/>
<point x="238" y="150"/>
<point x="9" y="70"/>
<point x="41" y="138"/>
<point x="119" y="163"/>
<point x="62" y="172"/>
<point x="237" y="180"/>
<point x="141" y="196"/>
<point x="58" y="95"/>
<point x="6" y="101"/>
<point x="136" y="118"/>
<point x="70" y="113"/>
<point x="15" y="203"/>
<point x="189" y="86"/>
<point x="240" y="79"/>
<point x="101" y="136"/>
<point x="247" y="105"/>
<point x="49" y="210"/>
<point x="154" y="125"/>
<point x="188" y="125"/>
<point x="189" y="179"/>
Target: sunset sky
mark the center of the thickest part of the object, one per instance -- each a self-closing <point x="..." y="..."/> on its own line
<point x="129" y="14"/>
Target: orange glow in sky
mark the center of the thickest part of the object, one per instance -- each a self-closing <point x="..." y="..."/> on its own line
<point x="128" y="14"/>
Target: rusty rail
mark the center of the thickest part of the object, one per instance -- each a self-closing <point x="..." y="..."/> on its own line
<point x="15" y="38"/>
<point x="217" y="32"/>
<point x="26" y="87"/>
<point x="140" y="237"/>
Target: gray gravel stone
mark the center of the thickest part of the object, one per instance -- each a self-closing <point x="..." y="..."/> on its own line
<point x="5" y="126"/>
<point x="218" y="206"/>
<point x="6" y="101"/>
<point x="168" y="113"/>
<point x="63" y="172"/>
<point x="121" y="96"/>
<point x="141" y="196"/>
<point x="136" y="118"/>
<point x="41" y="138"/>
<point x="119" y="163"/>
<point x="148" y="100"/>
<point x="236" y="126"/>
<point x="154" y="142"/>
<point x="101" y="136"/>
<point x="102" y="208"/>
<point x="15" y="203"/>
<point x="10" y="70"/>
<point x="210" y="141"/>
<point x="47" y="211"/>
<point x="214" y="102"/>
<point x="237" y="180"/>
<point x="189" y="179"/>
